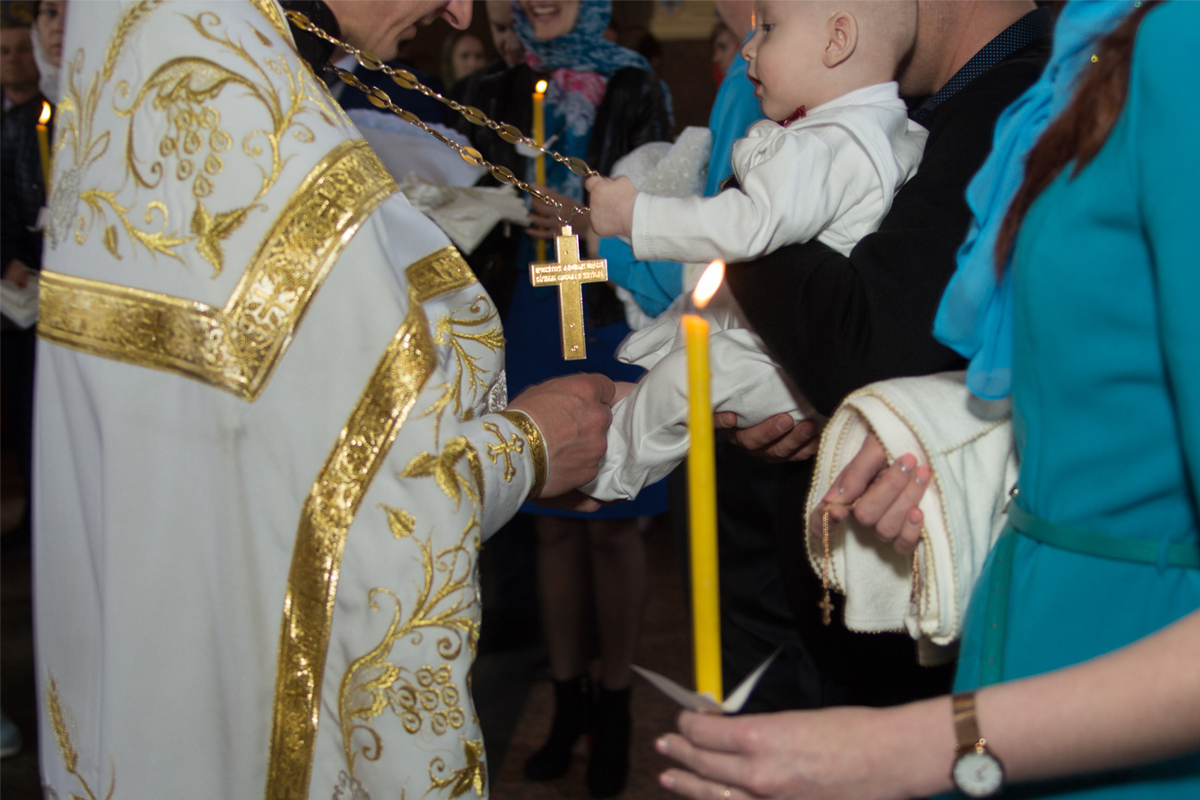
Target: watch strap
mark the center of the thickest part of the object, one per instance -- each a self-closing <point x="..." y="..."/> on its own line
<point x="966" y="728"/>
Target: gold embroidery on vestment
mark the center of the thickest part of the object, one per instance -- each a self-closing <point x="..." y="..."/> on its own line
<point x="462" y="780"/>
<point x="448" y="333"/>
<point x="61" y="725"/>
<point x="537" y="447"/>
<point x="505" y="449"/>
<point x="237" y="347"/>
<point x="180" y="91"/>
<point x="337" y="492"/>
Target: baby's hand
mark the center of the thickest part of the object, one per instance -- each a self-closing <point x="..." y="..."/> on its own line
<point x="612" y="205"/>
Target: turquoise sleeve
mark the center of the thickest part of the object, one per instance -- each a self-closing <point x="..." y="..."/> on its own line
<point x="654" y="284"/>
<point x="1164" y="86"/>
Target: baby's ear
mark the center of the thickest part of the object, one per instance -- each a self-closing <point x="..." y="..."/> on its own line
<point x="842" y="30"/>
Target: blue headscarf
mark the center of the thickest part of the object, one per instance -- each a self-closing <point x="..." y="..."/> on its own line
<point x="580" y="63"/>
<point x="584" y="49"/>
<point x="976" y="313"/>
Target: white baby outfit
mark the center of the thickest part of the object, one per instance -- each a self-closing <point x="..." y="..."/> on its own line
<point x="830" y="176"/>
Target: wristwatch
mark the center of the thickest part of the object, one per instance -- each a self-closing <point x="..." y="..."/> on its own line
<point x="976" y="771"/>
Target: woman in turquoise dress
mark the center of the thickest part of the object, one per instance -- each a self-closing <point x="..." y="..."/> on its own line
<point x="1082" y="647"/>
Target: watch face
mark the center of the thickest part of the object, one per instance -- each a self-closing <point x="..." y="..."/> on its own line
<point x="978" y="774"/>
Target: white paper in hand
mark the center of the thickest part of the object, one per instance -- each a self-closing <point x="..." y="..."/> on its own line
<point x="704" y="703"/>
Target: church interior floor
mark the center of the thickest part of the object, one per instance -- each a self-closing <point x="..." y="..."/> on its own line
<point x="513" y="693"/>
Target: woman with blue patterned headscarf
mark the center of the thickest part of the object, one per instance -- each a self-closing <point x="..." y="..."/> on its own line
<point x="602" y="101"/>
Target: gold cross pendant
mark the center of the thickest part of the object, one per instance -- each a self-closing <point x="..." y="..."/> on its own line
<point x="569" y="273"/>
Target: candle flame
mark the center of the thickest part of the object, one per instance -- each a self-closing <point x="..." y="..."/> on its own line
<point x="541" y="87"/>
<point x="45" y="117"/>
<point x="709" y="282"/>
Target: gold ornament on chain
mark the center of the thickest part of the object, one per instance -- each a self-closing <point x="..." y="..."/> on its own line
<point x="569" y="272"/>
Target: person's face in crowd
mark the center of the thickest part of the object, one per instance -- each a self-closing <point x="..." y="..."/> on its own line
<point x="784" y="56"/>
<point x="551" y="18"/>
<point x="504" y="36"/>
<point x="467" y="56"/>
<point x="724" y="49"/>
<point x="51" y="21"/>
<point x="18" y="70"/>
<point x="380" y="27"/>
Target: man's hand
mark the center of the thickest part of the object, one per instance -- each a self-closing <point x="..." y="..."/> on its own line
<point x="543" y="219"/>
<point x="887" y="495"/>
<point x="18" y="273"/>
<point x="573" y="414"/>
<point x="776" y="440"/>
<point x="612" y="205"/>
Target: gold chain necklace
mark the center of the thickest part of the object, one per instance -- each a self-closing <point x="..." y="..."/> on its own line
<point x="406" y="80"/>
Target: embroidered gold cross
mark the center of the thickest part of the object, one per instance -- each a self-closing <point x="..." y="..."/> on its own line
<point x="495" y="451"/>
<point x="569" y="274"/>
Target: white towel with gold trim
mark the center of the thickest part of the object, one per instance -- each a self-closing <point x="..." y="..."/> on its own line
<point x="968" y="443"/>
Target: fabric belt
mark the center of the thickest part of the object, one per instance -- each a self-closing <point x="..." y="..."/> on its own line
<point x="1020" y="521"/>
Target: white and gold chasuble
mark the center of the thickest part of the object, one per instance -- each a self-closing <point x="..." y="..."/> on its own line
<point x="265" y="461"/>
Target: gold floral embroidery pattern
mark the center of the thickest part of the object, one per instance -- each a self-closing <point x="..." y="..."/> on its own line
<point x="181" y="91"/>
<point x="448" y="333"/>
<point x="59" y="722"/>
<point x="271" y="11"/>
<point x="337" y="492"/>
<point x="462" y="780"/>
<point x="237" y="347"/>
<point x="537" y="447"/>
<point x="373" y="684"/>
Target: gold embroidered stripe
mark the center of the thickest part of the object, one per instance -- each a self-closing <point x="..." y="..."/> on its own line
<point x="537" y="447"/>
<point x="337" y="492"/>
<point x="237" y="347"/>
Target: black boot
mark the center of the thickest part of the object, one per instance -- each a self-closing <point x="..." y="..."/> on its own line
<point x="608" y="767"/>
<point x="571" y="701"/>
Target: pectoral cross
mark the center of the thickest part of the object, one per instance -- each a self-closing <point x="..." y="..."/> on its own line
<point x="569" y="274"/>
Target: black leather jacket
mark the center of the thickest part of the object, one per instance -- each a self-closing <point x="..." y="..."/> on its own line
<point x="22" y="188"/>
<point x="632" y="113"/>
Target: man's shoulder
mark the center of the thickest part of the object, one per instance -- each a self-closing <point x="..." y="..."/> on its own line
<point x="987" y="95"/>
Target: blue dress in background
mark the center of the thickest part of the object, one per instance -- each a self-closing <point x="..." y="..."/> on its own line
<point x="1106" y="394"/>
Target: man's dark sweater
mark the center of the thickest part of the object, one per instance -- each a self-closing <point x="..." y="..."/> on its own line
<point x="837" y="323"/>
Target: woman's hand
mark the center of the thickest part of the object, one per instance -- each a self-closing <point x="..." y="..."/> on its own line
<point x="612" y="205"/>
<point x="544" y="222"/>
<point x="832" y="754"/>
<point x="887" y="495"/>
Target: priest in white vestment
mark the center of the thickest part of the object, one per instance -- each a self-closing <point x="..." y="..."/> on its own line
<point x="267" y="440"/>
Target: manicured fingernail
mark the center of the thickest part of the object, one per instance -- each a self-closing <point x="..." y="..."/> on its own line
<point x="920" y="481"/>
<point x="841" y="490"/>
<point x="666" y="781"/>
<point x="904" y="470"/>
<point x="915" y="516"/>
<point x="662" y="745"/>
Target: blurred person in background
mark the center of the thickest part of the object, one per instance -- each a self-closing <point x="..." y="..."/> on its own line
<point x="462" y="54"/>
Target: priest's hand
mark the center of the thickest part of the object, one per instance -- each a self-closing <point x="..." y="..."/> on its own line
<point x="573" y="414"/>
<point x="833" y="754"/>
<point x="776" y="440"/>
<point x="544" y="221"/>
<point x="612" y="205"/>
<point x="887" y="495"/>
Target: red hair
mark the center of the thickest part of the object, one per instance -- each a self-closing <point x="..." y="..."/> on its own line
<point x="1082" y="129"/>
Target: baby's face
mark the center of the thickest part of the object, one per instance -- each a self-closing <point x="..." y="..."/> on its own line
<point x="784" y="55"/>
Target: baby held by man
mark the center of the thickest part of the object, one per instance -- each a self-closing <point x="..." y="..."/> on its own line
<point x="835" y="147"/>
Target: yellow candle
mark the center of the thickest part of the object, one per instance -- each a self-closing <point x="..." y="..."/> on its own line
<point x="539" y="136"/>
<point x="702" y="495"/>
<point x="43" y="137"/>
